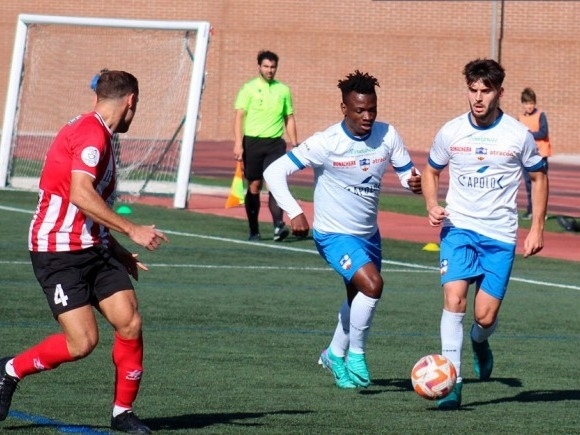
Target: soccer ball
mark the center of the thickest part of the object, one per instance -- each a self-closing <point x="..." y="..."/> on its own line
<point x="433" y="376"/>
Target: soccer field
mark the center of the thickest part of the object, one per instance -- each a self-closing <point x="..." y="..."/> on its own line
<point x="233" y="330"/>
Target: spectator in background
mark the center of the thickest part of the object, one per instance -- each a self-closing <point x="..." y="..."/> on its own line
<point x="537" y="124"/>
<point x="263" y="108"/>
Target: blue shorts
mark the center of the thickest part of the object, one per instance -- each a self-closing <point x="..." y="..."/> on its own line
<point x="467" y="255"/>
<point x="346" y="254"/>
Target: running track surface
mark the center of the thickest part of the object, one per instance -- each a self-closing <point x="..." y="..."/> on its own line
<point x="214" y="159"/>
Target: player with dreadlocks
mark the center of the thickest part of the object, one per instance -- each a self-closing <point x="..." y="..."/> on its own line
<point x="349" y="160"/>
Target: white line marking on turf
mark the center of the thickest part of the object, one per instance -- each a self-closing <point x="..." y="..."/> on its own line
<point x="225" y="266"/>
<point x="18" y="210"/>
<point x="283" y="247"/>
<point x="289" y="248"/>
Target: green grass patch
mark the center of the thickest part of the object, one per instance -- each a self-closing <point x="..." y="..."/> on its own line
<point x="233" y="331"/>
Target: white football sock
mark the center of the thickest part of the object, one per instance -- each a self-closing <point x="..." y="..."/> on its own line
<point x="10" y="369"/>
<point x="362" y="311"/>
<point x="340" y="339"/>
<point x="119" y="410"/>
<point x="451" y="330"/>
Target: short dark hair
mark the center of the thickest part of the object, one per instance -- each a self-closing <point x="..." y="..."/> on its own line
<point x="490" y="72"/>
<point x="528" y="96"/>
<point x="361" y="83"/>
<point x="266" y="54"/>
<point x="95" y="79"/>
<point x="116" y="84"/>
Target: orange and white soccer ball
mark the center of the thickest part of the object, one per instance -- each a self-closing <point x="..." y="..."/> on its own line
<point x="433" y="376"/>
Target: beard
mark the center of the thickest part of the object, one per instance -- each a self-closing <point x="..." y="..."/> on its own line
<point x="488" y="115"/>
<point x="122" y="127"/>
<point x="124" y="124"/>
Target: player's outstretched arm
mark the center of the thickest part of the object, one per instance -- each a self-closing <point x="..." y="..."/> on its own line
<point x="276" y="176"/>
<point x="84" y="196"/>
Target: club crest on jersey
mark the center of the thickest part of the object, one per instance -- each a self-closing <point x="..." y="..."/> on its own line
<point x="481" y="153"/>
<point x="90" y="156"/>
<point x="345" y="262"/>
<point x="364" y="164"/>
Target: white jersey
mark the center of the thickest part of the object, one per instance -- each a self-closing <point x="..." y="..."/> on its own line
<point x="348" y="173"/>
<point x="485" y="168"/>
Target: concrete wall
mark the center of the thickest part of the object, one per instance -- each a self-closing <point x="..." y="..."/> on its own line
<point x="416" y="49"/>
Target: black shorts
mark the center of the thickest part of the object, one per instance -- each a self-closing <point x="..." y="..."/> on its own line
<point x="77" y="278"/>
<point x="259" y="152"/>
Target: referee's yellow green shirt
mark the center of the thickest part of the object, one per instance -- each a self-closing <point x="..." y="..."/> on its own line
<point x="266" y="104"/>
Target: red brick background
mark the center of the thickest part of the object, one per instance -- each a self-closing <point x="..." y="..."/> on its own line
<point x="416" y="49"/>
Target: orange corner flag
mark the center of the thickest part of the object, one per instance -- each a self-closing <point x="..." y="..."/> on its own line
<point x="237" y="191"/>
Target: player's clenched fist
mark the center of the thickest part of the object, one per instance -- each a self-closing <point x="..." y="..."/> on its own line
<point x="437" y="215"/>
<point x="300" y="227"/>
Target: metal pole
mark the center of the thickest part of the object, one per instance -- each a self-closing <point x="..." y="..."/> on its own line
<point x="500" y="31"/>
<point x="493" y="39"/>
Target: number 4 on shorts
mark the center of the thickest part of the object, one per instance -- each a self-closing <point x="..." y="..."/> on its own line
<point x="59" y="296"/>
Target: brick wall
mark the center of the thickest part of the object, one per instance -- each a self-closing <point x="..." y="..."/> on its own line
<point x="416" y="49"/>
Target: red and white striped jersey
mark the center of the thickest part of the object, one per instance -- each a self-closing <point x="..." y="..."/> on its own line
<point x="83" y="144"/>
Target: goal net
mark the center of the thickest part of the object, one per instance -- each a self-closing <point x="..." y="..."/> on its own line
<point x="54" y="60"/>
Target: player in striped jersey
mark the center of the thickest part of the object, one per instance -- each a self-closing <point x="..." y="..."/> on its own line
<point x="75" y="258"/>
<point x="486" y="151"/>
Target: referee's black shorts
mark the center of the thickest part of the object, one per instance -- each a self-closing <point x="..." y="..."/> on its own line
<point x="259" y="152"/>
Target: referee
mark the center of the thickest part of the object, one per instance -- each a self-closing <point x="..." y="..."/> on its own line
<point x="263" y="109"/>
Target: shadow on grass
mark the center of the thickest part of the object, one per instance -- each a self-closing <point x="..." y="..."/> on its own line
<point x="405" y="385"/>
<point x="60" y="428"/>
<point x="293" y="239"/>
<point x="534" y="396"/>
<point x="402" y="385"/>
<point x="178" y="422"/>
<point x="510" y="382"/>
<point x="198" y="421"/>
<point x="531" y="396"/>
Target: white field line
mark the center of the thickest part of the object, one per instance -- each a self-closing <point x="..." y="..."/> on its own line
<point x="403" y="265"/>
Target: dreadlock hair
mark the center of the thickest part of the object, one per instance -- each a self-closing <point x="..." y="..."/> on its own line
<point x="361" y="83"/>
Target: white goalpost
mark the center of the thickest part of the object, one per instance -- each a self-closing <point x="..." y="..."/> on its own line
<point x="54" y="59"/>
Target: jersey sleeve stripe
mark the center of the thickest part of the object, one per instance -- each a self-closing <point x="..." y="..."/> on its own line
<point x="537" y="167"/>
<point x="295" y="160"/>
<point x="405" y="168"/>
<point x="435" y="165"/>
